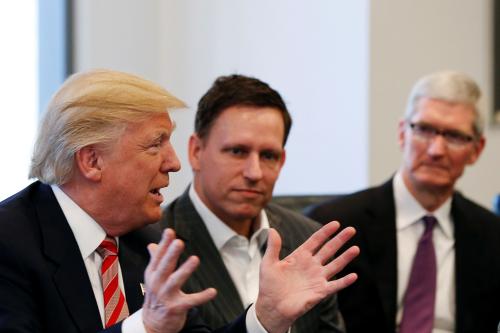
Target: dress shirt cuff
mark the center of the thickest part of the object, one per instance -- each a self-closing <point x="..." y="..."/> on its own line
<point x="253" y="324"/>
<point x="133" y="323"/>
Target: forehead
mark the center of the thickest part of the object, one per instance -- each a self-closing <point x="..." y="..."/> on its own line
<point x="249" y="121"/>
<point x="444" y="114"/>
<point x="150" y="126"/>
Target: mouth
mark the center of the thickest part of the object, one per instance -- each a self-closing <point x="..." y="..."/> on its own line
<point x="155" y="193"/>
<point x="250" y="192"/>
<point x="434" y="166"/>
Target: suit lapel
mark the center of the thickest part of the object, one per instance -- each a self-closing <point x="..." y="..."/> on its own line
<point x="69" y="272"/>
<point x="276" y="222"/>
<point x="134" y="257"/>
<point x="212" y="271"/>
<point x="381" y="247"/>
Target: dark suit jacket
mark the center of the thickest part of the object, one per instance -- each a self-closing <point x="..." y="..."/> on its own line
<point x="294" y="228"/>
<point x="371" y="302"/>
<point x="44" y="286"/>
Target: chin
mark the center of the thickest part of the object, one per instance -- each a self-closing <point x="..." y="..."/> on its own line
<point x="434" y="183"/>
<point x="152" y="217"/>
<point x="247" y="213"/>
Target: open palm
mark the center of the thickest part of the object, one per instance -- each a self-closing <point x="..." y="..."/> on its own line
<point x="292" y="286"/>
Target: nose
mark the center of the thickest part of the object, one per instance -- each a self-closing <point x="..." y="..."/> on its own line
<point x="437" y="146"/>
<point x="252" y="169"/>
<point x="170" y="162"/>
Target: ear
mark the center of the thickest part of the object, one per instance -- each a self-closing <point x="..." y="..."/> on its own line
<point x="283" y="158"/>
<point x="401" y="133"/>
<point x="89" y="162"/>
<point x="478" y="149"/>
<point x="194" y="150"/>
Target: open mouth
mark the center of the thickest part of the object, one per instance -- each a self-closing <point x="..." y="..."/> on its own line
<point x="156" y="193"/>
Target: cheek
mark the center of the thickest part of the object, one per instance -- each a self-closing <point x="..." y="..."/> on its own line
<point x="460" y="163"/>
<point x="271" y="176"/>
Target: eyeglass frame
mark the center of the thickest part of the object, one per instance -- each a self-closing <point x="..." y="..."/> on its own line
<point x="453" y="138"/>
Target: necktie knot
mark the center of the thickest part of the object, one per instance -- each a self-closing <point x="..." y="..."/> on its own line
<point x="107" y="247"/>
<point x="430" y="221"/>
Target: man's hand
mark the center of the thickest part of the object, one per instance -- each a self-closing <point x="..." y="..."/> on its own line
<point x="166" y="305"/>
<point x="291" y="287"/>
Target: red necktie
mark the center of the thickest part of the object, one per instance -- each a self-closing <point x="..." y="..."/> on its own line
<point x="115" y="306"/>
<point x="419" y="300"/>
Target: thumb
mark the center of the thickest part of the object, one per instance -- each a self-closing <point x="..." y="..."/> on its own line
<point x="273" y="247"/>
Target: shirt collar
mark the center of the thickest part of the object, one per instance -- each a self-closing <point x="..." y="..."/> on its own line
<point x="409" y="210"/>
<point x="218" y="230"/>
<point x="88" y="233"/>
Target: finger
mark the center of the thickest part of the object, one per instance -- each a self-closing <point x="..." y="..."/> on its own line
<point x="177" y="279"/>
<point x="341" y="261"/>
<point x="320" y="237"/>
<point x="158" y="251"/>
<point x="169" y="261"/>
<point x="200" y="298"/>
<point x="339" y="284"/>
<point x="273" y="249"/>
<point x="331" y="247"/>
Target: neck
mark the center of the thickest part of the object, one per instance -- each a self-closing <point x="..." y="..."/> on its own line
<point x="86" y="199"/>
<point x="244" y="228"/>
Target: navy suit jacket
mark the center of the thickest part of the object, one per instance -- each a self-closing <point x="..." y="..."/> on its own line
<point x="370" y="303"/>
<point x="294" y="229"/>
<point x="44" y="285"/>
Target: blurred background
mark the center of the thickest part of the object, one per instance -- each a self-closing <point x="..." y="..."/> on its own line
<point x="345" y="69"/>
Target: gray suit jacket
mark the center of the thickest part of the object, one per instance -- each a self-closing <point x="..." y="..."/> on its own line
<point x="294" y="229"/>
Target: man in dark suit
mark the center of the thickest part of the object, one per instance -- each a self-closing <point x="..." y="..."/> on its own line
<point x="236" y="154"/>
<point x="439" y="136"/>
<point x="75" y="246"/>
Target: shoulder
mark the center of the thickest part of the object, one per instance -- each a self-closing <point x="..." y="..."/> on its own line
<point x="288" y="221"/>
<point x="177" y="211"/>
<point x="345" y="206"/>
<point x="18" y="213"/>
<point x="466" y="209"/>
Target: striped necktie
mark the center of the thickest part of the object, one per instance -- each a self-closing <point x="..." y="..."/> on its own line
<point x="115" y="305"/>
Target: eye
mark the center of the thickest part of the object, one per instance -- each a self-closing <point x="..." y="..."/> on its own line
<point x="425" y="129"/>
<point x="270" y="156"/>
<point x="236" y="151"/>
<point x="155" y="146"/>
<point x="457" y="137"/>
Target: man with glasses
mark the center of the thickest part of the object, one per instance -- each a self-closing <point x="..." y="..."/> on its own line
<point x="430" y="258"/>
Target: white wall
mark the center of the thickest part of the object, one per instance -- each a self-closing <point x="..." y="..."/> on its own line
<point x="344" y="67"/>
<point x="314" y="54"/>
<point x="18" y="91"/>
<point x="413" y="38"/>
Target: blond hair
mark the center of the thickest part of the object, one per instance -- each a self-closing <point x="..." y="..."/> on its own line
<point x="90" y="108"/>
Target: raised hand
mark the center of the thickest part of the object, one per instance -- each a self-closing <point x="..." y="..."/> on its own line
<point x="290" y="287"/>
<point x="166" y="305"/>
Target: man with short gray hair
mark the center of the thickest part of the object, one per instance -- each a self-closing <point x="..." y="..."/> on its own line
<point x="429" y="256"/>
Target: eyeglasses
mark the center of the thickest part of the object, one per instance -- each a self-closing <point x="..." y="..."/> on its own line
<point x="453" y="138"/>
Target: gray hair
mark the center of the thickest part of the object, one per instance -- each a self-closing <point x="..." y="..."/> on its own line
<point x="449" y="86"/>
<point x="92" y="108"/>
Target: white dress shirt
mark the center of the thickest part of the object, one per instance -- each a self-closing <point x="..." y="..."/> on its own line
<point x="241" y="256"/>
<point x="409" y="229"/>
<point x="89" y="235"/>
